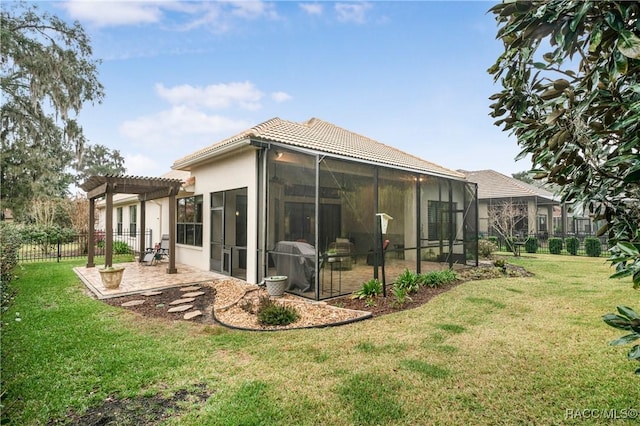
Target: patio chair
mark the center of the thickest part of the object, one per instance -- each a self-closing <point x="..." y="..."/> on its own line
<point x="152" y="255"/>
<point x="164" y="245"/>
<point x="160" y="250"/>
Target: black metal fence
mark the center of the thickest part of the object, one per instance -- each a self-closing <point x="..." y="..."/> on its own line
<point x="42" y="247"/>
<point x="575" y="245"/>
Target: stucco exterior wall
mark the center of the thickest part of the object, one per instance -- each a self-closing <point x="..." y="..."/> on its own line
<point x="233" y="172"/>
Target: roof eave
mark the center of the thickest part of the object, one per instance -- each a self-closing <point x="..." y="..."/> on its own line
<point x="261" y="143"/>
<point x="188" y="163"/>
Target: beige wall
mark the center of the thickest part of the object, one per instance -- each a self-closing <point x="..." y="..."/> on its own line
<point x="232" y="172"/>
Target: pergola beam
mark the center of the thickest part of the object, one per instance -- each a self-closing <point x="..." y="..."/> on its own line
<point x="97" y="192"/>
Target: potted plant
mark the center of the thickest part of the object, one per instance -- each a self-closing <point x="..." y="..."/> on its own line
<point x="276" y="285"/>
<point x="111" y="276"/>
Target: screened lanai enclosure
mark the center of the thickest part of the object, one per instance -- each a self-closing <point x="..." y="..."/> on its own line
<point x="318" y="224"/>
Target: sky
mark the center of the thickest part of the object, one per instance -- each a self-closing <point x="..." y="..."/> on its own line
<point x="183" y="75"/>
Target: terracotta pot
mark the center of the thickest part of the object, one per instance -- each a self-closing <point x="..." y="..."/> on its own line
<point x="111" y="277"/>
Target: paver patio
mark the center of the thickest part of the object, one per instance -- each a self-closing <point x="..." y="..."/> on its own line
<point x="138" y="278"/>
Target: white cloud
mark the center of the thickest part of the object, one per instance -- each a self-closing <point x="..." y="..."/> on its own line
<point x="218" y="15"/>
<point x="281" y="96"/>
<point x="141" y="165"/>
<point x="215" y="96"/>
<point x="180" y="125"/>
<point x="108" y="13"/>
<point x="312" y="8"/>
<point x="352" y="12"/>
<point x="252" y="9"/>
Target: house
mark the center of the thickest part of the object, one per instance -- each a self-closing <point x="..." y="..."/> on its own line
<point x="534" y="208"/>
<point x="303" y="200"/>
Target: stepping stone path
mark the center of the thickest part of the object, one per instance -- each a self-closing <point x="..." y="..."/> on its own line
<point x="180" y="308"/>
<point x="133" y="303"/>
<point x="190" y="294"/>
<point x="183" y="301"/>
<point x="178" y="305"/>
<point x="191" y="315"/>
<point x="194" y="294"/>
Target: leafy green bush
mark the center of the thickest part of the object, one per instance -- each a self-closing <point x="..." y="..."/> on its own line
<point x="572" y="244"/>
<point x="121" y="247"/>
<point x="592" y="246"/>
<point x="408" y="280"/>
<point x="401" y="295"/>
<point x="625" y="258"/>
<point x="628" y="320"/>
<point x="45" y="237"/>
<point x="435" y="279"/>
<point x="555" y="245"/>
<point x="272" y="313"/>
<point x="531" y="245"/>
<point x="487" y="247"/>
<point x="371" y="288"/>
<point x="9" y="245"/>
<point x="495" y="241"/>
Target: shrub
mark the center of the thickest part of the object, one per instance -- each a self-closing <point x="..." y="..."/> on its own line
<point x="272" y="313"/>
<point x="121" y="247"/>
<point x="401" y="295"/>
<point x="493" y="240"/>
<point x="408" y="280"/>
<point x="531" y="245"/>
<point x="572" y="244"/>
<point x="487" y="247"/>
<point x="437" y="278"/>
<point x="9" y="245"/>
<point x="592" y="246"/>
<point x="371" y="288"/>
<point x="555" y="245"/>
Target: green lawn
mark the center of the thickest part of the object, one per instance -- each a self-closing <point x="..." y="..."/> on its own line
<point x="504" y="351"/>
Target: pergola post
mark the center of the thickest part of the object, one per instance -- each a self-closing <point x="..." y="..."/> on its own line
<point x="92" y="232"/>
<point x="108" y="255"/>
<point x="143" y="225"/>
<point x="171" y="269"/>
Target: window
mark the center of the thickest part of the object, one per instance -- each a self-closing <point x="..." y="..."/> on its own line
<point x="542" y="223"/>
<point x="119" y="220"/>
<point x="133" y="220"/>
<point x="189" y="226"/>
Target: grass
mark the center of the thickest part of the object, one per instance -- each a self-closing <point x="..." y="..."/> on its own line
<point x="501" y="351"/>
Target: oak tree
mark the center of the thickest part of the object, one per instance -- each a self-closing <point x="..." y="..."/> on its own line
<point x="47" y="74"/>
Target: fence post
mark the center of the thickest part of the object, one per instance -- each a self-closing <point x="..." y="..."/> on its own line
<point x="59" y="254"/>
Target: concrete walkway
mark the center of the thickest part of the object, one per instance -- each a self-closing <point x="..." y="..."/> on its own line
<point x="138" y="278"/>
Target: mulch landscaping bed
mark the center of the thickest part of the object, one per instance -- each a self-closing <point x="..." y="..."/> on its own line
<point x="157" y="306"/>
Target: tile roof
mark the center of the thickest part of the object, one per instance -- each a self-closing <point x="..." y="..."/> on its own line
<point x="320" y="136"/>
<point x="492" y="185"/>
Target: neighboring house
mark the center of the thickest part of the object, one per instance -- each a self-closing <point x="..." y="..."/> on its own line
<point x="300" y="199"/>
<point x="537" y="207"/>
